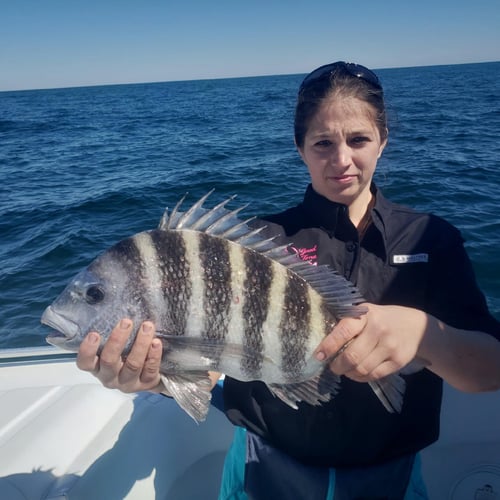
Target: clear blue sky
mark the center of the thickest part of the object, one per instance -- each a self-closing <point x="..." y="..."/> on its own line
<point x="63" y="43"/>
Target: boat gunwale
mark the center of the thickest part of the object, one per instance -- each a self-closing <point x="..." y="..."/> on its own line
<point x="31" y="355"/>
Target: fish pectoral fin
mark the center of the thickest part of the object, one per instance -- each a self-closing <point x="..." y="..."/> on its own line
<point x="314" y="391"/>
<point x="171" y="342"/>
<point x="195" y="353"/>
<point x="390" y="390"/>
<point x="191" y="391"/>
<point x="191" y="353"/>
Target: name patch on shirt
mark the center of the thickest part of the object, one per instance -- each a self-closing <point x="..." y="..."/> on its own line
<point x="410" y="259"/>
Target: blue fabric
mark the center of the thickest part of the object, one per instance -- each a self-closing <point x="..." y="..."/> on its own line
<point x="253" y="470"/>
<point x="385" y="481"/>
<point x="233" y="474"/>
<point x="331" y="485"/>
<point x="416" y="488"/>
<point x="272" y="474"/>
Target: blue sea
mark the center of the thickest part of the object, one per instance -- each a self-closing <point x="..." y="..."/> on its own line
<point x="82" y="168"/>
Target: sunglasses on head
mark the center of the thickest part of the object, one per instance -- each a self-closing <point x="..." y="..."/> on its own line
<point x="353" y="69"/>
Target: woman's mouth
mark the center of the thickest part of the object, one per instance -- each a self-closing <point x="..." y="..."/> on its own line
<point x="343" y="179"/>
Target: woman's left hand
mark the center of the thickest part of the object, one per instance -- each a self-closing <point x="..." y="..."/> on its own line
<point x="387" y="338"/>
<point x="379" y="343"/>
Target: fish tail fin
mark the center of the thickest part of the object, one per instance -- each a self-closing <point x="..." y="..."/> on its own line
<point x="390" y="391"/>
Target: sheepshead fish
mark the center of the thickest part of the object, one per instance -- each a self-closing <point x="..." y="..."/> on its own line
<point x="223" y="298"/>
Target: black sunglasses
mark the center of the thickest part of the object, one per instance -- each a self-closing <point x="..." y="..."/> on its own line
<point x="353" y="69"/>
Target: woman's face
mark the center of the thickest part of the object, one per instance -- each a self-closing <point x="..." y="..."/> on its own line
<point x="341" y="149"/>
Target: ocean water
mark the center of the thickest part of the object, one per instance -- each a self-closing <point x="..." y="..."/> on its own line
<point x="82" y="168"/>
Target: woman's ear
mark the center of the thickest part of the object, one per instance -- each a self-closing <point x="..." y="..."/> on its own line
<point x="383" y="144"/>
<point x="299" y="150"/>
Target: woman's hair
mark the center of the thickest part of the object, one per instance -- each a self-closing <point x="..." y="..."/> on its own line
<point x="337" y="83"/>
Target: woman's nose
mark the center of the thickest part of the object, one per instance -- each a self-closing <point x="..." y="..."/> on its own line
<point x="341" y="155"/>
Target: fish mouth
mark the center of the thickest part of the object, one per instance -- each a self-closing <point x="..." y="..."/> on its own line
<point x="65" y="329"/>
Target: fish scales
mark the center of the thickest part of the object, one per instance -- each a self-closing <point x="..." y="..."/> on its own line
<point x="295" y="327"/>
<point x="256" y="303"/>
<point x="223" y="298"/>
<point x="128" y="254"/>
<point x="175" y="285"/>
<point x="151" y="285"/>
<point x="195" y="319"/>
<point x="216" y="266"/>
<point x="236" y="324"/>
<point x="271" y="326"/>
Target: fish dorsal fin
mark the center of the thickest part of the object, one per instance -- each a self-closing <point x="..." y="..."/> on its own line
<point x="223" y="223"/>
<point x="218" y="222"/>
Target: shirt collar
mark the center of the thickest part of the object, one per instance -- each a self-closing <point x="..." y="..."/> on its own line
<point x="333" y="217"/>
<point x="322" y="212"/>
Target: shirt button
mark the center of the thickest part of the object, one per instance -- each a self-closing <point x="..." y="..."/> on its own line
<point x="351" y="246"/>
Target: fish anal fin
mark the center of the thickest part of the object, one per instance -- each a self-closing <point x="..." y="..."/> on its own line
<point x="390" y="390"/>
<point x="317" y="390"/>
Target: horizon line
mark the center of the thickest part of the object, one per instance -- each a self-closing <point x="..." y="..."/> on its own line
<point x="110" y="84"/>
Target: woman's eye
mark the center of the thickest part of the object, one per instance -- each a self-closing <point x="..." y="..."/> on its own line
<point x="359" y="140"/>
<point x="94" y="295"/>
<point x="323" y="144"/>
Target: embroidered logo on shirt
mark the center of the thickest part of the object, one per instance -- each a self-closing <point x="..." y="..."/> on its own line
<point x="308" y="254"/>
<point x="410" y="259"/>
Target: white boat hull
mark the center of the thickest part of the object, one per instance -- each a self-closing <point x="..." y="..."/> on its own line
<point x="64" y="436"/>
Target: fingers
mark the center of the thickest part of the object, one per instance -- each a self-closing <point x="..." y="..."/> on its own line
<point x="139" y="371"/>
<point x="342" y="336"/>
<point x="353" y="349"/>
<point x="372" y="346"/>
<point x="376" y="365"/>
<point x="87" y="359"/>
<point x="110" y="360"/>
<point x="143" y="362"/>
<point x="150" y="375"/>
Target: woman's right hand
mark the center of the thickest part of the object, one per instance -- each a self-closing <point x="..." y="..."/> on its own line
<point x="139" y="371"/>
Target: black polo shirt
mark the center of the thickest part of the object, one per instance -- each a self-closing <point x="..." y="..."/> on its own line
<point x="404" y="258"/>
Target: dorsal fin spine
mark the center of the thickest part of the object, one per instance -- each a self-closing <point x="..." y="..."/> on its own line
<point x="167" y="221"/>
<point x="185" y="220"/>
<point x="219" y="226"/>
<point x="212" y="216"/>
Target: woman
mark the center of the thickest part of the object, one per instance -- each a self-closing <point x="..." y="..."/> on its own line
<point x="424" y="309"/>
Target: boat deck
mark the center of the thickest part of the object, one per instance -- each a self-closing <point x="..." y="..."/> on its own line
<point x="64" y="436"/>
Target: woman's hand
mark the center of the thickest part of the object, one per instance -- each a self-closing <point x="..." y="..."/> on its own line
<point x="139" y="371"/>
<point x="387" y="338"/>
<point x="379" y="343"/>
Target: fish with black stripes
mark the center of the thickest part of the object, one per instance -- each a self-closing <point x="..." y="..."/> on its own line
<point x="224" y="298"/>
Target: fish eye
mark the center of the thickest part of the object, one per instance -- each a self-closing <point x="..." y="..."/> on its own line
<point x="94" y="294"/>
